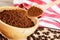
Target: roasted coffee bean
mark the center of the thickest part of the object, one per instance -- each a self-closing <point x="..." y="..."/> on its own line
<point x="41" y="29"/>
<point x="34" y="38"/>
<point x="37" y="33"/>
<point x="2" y="37"/>
<point x="28" y="38"/>
<point x="52" y="38"/>
<point x="50" y="34"/>
<point x="48" y="37"/>
<point x="58" y="32"/>
<point x="55" y="36"/>
<point x="46" y="33"/>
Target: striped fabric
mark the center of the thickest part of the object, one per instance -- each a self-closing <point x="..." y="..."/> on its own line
<point x="50" y="18"/>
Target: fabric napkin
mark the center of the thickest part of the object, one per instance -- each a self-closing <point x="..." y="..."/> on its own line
<point x="50" y="18"/>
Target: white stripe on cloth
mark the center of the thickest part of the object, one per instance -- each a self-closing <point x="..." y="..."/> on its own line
<point x="50" y="20"/>
<point x="19" y="1"/>
<point x="50" y="12"/>
<point x="46" y="18"/>
<point x="28" y="2"/>
<point x="31" y="3"/>
<point x="47" y="1"/>
<point x="47" y="25"/>
<point x="56" y="9"/>
<point x="56" y="19"/>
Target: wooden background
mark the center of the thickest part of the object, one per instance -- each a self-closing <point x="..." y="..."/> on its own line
<point x="6" y="2"/>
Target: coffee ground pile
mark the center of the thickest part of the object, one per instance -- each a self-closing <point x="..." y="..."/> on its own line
<point x="34" y="11"/>
<point x="16" y="18"/>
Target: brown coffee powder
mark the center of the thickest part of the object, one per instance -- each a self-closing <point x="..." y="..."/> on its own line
<point x="16" y="18"/>
<point x="34" y="11"/>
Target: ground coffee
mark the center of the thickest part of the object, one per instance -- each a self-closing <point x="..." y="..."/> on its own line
<point x="34" y="11"/>
<point x="16" y="18"/>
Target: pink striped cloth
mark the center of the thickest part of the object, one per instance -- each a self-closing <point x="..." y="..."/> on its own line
<point x="50" y="18"/>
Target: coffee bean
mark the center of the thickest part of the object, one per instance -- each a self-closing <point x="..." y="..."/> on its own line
<point x="55" y="36"/>
<point x="41" y="29"/>
<point x="37" y="33"/>
<point x="2" y="37"/>
<point x="46" y="33"/>
<point x="28" y="38"/>
<point x="52" y="38"/>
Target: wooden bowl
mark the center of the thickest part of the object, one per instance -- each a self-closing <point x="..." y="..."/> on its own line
<point x="15" y="32"/>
